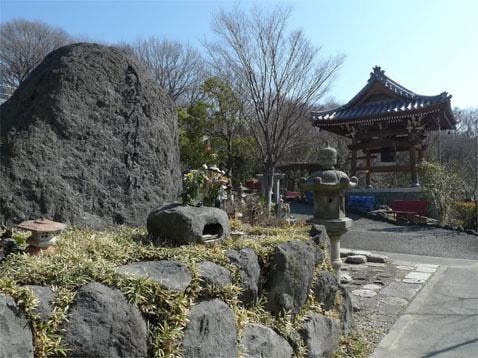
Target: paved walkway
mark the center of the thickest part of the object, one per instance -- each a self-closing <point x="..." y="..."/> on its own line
<point x="442" y="320"/>
<point x="380" y="292"/>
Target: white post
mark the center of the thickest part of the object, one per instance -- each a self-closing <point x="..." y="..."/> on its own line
<point x="277" y="187"/>
<point x="335" y="255"/>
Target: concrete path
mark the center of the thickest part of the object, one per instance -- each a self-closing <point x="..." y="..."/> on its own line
<point x="442" y="320"/>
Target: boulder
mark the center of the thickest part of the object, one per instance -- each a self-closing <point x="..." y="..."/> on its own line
<point x="345" y="277"/>
<point x="213" y="274"/>
<point x="369" y="256"/>
<point x="210" y="332"/>
<point x="364" y="293"/>
<point x="325" y="289"/>
<point x="88" y="139"/>
<point x="356" y="259"/>
<point x="291" y="274"/>
<point x="321" y="335"/>
<point x="101" y="323"/>
<point x="247" y="262"/>
<point x="8" y="246"/>
<point x="318" y="233"/>
<point x="377" y="258"/>
<point x="331" y="294"/>
<point x="319" y="256"/>
<point x="181" y="225"/>
<point x="346" y="310"/>
<point x="173" y="275"/>
<point x="346" y="252"/>
<point x="16" y="338"/>
<point x="45" y="296"/>
<point x="259" y="341"/>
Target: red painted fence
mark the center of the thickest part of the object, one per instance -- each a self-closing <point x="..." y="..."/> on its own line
<point x="419" y="207"/>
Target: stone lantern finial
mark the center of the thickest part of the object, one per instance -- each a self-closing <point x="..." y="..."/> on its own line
<point x="327" y="157"/>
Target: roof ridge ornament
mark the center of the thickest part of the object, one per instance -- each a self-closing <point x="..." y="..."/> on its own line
<point x="377" y="72"/>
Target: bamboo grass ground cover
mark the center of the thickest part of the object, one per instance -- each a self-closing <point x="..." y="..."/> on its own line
<point x="83" y="256"/>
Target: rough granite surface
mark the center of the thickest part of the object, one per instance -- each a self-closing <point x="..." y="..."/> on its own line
<point x="321" y="335"/>
<point x="88" y="139"/>
<point x="171" y="274"/>
<point x="248" y="263"/>
<point x="290" y="277"/>
<point x="264" y="342"/>
<point x="16" y="338"/>
<point x="45" y="301"/>
<point x="211" y="331"/>
<point x="101" y="323"/>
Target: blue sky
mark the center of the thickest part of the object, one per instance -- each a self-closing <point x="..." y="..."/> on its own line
<point x="429" y="46"/>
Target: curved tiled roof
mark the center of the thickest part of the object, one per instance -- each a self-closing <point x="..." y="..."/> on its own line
<point x="406" y="102"/>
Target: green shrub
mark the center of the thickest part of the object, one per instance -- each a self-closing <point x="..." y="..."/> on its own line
<point x="202" y="186"/>
<point x="440" y="187"/>
<point x="466" y="214"/>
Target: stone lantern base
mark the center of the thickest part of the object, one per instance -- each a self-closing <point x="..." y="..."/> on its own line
<point x="33" y="250"/>
<point x="335" y="229"/>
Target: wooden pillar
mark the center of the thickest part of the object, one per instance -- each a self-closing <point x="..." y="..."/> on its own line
<point x="421" y="154"/>
<point x="369" y="170"/>
<point x="413" y="166"/>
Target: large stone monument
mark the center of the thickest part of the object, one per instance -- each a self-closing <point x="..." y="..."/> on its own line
<point x="329" y="186"/>
<point x="88" y="139"/>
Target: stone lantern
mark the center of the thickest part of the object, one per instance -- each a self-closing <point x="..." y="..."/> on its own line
<point x="329" y="186"/>
<point x="43" y="238"/>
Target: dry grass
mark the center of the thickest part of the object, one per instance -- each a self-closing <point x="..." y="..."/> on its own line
<point x="83" y="256"/>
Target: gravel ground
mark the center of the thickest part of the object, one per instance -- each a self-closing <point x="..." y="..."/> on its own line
<point x="417" y="240"/>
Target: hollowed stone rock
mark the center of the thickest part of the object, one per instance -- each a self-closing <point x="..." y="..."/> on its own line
<point x="182" y="225"/>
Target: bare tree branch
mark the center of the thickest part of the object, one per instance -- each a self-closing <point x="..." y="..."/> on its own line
<point x="178" y="68"/>
<point x="279" y="72"/>
<point x="23" y="45"/>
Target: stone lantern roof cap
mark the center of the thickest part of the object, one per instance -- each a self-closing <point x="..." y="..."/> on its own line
<point x="42" y="225"/>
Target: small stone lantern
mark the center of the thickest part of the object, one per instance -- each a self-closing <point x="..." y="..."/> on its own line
<point x="329" y="186"/>
<point x="43" y="238"/>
